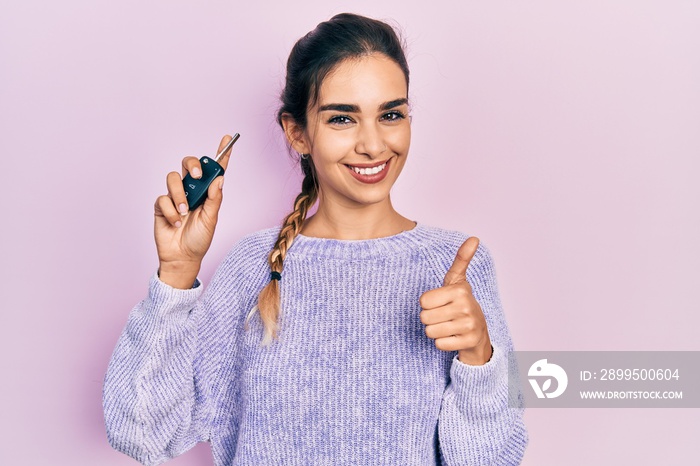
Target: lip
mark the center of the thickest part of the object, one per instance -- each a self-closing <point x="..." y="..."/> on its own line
<point x="367" y="165"/>
<point x="370" y="179"/>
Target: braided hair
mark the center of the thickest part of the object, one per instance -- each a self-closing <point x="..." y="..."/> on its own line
<point x="269" y="298"/>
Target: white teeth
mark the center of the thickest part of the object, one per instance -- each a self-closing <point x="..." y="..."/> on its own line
<point x="369" y="171"/>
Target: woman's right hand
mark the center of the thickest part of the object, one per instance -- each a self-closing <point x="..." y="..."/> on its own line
<point x="183" y="237"/>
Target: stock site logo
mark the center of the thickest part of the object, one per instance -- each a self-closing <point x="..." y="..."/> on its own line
<point x="547" y="371"/>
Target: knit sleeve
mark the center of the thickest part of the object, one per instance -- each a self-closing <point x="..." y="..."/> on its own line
<point x="158" y="394"/>
<point x="476" y="425"/>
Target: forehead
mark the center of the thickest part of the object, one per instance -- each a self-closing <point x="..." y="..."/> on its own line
<point x="368" y="81"/>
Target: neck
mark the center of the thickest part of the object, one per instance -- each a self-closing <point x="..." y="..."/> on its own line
<point x="355" y="223"/>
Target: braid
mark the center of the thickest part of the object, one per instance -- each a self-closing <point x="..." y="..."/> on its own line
<point x="269" y="297"/>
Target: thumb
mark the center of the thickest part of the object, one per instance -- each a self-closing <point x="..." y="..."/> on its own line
<point x="214" y="197"/>
<point x="458" y="270"/>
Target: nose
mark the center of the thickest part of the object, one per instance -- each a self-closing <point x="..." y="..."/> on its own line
<point x="370" y="141"/>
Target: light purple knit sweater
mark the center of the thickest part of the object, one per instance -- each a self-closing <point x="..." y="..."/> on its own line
<point x="353" y="379"/>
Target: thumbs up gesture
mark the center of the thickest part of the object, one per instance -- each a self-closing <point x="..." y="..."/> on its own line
<point x="451" y="314"/>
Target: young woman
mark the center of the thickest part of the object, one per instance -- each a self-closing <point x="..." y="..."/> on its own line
<point x="355" y="336"/>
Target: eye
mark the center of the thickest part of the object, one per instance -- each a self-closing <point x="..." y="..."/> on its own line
<point x="340" y="120"/>
<point x="393" y="115"/>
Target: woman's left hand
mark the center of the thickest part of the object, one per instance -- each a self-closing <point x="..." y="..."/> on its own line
<point x="453" y="317"/>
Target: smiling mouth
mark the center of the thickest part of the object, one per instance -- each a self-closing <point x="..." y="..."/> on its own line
<point x="368" y="171"/>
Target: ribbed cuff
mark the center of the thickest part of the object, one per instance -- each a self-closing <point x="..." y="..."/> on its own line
<point x="480" y="390"/>
<point x="171" y="303"/>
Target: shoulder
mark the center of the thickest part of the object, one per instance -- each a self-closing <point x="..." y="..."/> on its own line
<point x="246" y="261"/>
<point x="252" y="246"/>
<point x="441" y="247"/>
<point x="261" y="240"/>
<point x="442" y="236"/>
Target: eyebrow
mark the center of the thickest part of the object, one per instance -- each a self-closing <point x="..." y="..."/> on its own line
<point x="393" y="104"/>
<point x="345" y="108"/>
<point x="352" y="108"/>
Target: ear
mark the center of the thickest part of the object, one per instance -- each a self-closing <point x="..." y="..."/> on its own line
<point x="295" y="134"/>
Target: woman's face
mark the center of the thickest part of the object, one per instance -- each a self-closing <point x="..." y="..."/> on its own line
<point x="359" y="124"/>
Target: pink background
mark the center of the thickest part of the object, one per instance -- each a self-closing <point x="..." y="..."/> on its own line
<point x="564" y="134"/>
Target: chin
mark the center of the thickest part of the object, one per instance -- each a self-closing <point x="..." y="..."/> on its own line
<point x="371" y="199"/>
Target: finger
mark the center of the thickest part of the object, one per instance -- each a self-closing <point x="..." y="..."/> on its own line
<point x="458" y="270"/>
<point x="177" y="192"/>
<point x="444" y="313"/>
<point x="193" y="166"/>
<point x="445" y="329"/>
<point x="459" y="341"/>
<point x="223" y="161"/>
<point x="444" y="295"/>
<point x="215" y="196"/>
<point x="456" y="342"/>
<point x="165" y="208"/>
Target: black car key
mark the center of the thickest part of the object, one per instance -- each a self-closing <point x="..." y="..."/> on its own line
<point x="196" y="189"/>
